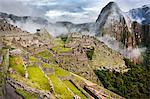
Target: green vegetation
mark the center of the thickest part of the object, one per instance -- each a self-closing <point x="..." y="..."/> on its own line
<point x="132" y="84"/>
<point x="74" y="89"/>
<point x="60" y="49"/>
<point x="45" y="65"/>
<point x="60" y="89"/>
<point x="38" y="78"/>
<point x="64" y="37"/>
<point x="25" y="95"/>
<point x="33" y="59"/>
<point x="61" y="72"/>
<point x="90" y="53"/>
<point x="58" y="71"/>
<point x="60" y="46"/>
<point x="47" y="55"/>
<point x="64" y="50"/>
<point x="146" y="57"/>
<point x="59" y="42"/>
<point x="16" y="63"/>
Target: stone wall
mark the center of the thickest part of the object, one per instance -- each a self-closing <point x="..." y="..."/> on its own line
<point x="24" y="87"/>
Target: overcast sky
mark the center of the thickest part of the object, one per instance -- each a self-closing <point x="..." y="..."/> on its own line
<point x="77" y="11"/>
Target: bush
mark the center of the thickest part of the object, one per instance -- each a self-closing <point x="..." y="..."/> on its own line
<point x="64" y="37"/>
<point x="90" y="53"/>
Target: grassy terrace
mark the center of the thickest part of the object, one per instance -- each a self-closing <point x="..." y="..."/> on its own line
<point x="61" y="72"/>
<point x="60" y="89"/>
<point x="58" y="71"/>
<point x="16" y="63"/>
<point x="64" y="50"/>
<point x="74" y="89"/>
<point x="47" y="55"/>
<point x="37" y="78"/>
<point x="26" y="95"/>
<point x="33" y="59"/>
<point x="59" y="47"/>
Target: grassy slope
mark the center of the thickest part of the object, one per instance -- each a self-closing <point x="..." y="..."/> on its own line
<point x="38" y="78"/>
<point x="16" y="63"/>
<point x="60" y="89"/>
<point x="74" y="89"/>
<point x="61" y="85"/>
<point x="26" y="95"/>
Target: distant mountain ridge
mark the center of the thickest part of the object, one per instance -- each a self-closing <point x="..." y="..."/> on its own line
<point x="141" y="15"/>
<point x="30" y="24"/>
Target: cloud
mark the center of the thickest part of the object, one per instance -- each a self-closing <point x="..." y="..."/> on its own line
<point x="130" y="53"/>
<point x="77" y="11"/>
<point x="19" y="8"/>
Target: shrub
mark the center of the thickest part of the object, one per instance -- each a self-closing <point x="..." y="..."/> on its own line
<point x="90" y="53"/>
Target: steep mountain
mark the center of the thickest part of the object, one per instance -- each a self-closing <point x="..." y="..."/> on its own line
<point x="140" y="15"/>
<point x="113" y="23"/>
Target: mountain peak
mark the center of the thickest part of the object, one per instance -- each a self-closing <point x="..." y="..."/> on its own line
<point x="110" y="9"/>
<point x="111" y="5"/>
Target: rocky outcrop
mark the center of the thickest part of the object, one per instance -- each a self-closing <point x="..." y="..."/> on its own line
<point x="146" y="35"/>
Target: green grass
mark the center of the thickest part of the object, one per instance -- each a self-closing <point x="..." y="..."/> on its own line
<point x="38" y="78"/>
<point x="77" y="79"/>
<point x="60" y="88"/>
<point x="61" y="72"/>
<point x="74" y="89"/>
<point x="25" y="95"/>
<point x="45" y="65"/>
<point x="60" y="49"/>
<point x="59" y="42"/>
<point x="58" y="71"/>
<point x="16" y="63"/>
<point x="33" y="59"/>
<point x="55" y="48"/>
<point x="47" y="55"/>
<point x="64" y="50"/>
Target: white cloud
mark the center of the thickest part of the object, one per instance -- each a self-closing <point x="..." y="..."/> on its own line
<point x="65" y="10"/>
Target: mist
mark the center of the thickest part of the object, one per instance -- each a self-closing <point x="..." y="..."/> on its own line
<point x="130" y="53"/>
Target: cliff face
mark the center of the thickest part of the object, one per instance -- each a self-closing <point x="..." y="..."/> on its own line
<point x="146" y="35"/>
<point x="112" y="22"/>
<point x="140" y="34"/>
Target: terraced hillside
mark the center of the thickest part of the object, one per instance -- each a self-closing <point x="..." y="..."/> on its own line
<point x="39" y="66"/>
<point x="31" y="78"/>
